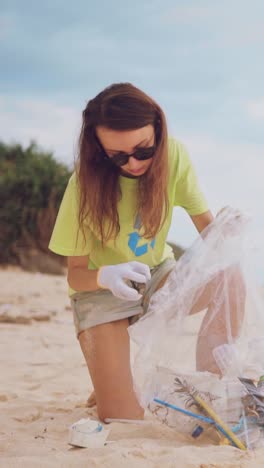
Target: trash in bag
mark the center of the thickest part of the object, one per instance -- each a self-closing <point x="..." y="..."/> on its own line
<point x="199" y="365"/>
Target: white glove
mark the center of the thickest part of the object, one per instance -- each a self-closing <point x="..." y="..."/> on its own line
<point x="113" y="277"/>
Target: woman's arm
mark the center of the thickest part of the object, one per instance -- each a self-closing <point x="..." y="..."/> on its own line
<point x="201" y="221"/>
<point x="79" y="277"/>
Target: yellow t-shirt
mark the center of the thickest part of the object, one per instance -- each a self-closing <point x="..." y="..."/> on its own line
<point x="183" y="190"/>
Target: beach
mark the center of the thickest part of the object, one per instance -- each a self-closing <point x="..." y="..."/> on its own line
<point x="45" y="385"/>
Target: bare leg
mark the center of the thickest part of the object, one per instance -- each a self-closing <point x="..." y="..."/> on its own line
<point x="92" y="398"/>
<point x="225" y="299"/>
<point x="106" y="349"/>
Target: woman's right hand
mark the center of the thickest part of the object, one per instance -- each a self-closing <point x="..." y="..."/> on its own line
<point x="114" y="277"/>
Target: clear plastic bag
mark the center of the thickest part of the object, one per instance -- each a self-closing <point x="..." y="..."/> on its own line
<point x="205" y="325"/>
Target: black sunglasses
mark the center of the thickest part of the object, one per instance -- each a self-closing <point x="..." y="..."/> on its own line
<point x="122" y="158"/>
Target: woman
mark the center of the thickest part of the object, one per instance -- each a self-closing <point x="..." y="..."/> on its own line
<point x="112" y="225"/>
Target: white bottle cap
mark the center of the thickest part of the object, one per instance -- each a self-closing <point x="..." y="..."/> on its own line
<point x="87" y="433"/>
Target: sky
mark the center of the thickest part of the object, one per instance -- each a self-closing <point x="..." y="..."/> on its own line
<point x="202" y="61"/>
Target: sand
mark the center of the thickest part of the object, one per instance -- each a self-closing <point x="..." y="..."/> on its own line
<point x="45" y="384"/>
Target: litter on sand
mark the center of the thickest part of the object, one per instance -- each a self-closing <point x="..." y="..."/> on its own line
<point x="87" y="433"/>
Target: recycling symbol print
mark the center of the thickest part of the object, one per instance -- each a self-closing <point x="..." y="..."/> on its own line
<point x="134" y="239"/>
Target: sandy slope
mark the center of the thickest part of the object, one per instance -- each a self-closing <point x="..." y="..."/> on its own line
<point x="44" y="386"/>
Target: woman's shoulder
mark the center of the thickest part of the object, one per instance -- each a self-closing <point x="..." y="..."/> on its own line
<point x="175" y="147"/>
<point x="73" y="178"/>
<point x="71" y="188"/>
<point x="177" y="153"/>
<point x="72" y="182"/>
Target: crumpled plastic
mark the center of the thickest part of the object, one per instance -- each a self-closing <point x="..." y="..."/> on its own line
<point x="206" y="322"/>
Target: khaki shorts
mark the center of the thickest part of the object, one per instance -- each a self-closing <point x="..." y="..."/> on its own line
<point x="91" y="308"/>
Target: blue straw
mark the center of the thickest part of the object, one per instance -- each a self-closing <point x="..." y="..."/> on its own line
<point x="194" y="415"/>
<point x="188" y="413"/>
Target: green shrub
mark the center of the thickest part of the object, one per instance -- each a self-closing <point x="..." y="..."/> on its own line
<point x="32" y="184"/>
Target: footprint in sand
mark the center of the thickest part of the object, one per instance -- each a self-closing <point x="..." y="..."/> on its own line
<point x="8" y="396"/>
<point x="26" y="415"/>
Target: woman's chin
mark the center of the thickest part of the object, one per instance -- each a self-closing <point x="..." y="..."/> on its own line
<point x="133" y="174"/>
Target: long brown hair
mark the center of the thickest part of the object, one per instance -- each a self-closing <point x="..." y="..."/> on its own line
<point x="121" y="106"/>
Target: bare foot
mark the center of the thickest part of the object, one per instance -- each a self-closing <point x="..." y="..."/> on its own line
<point x="91" y="400"/>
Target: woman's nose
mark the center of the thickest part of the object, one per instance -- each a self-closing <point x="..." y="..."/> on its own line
<point x="133" y="163"/>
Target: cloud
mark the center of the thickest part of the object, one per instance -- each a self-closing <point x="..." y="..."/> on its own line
<point x="54" y="126"/>
<point x="187" y="14"/>
<point x="219" y="25"/>
<point x="231" y="172"/>
<point x="7" y="25"/>
<point x="255" y="109"/>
